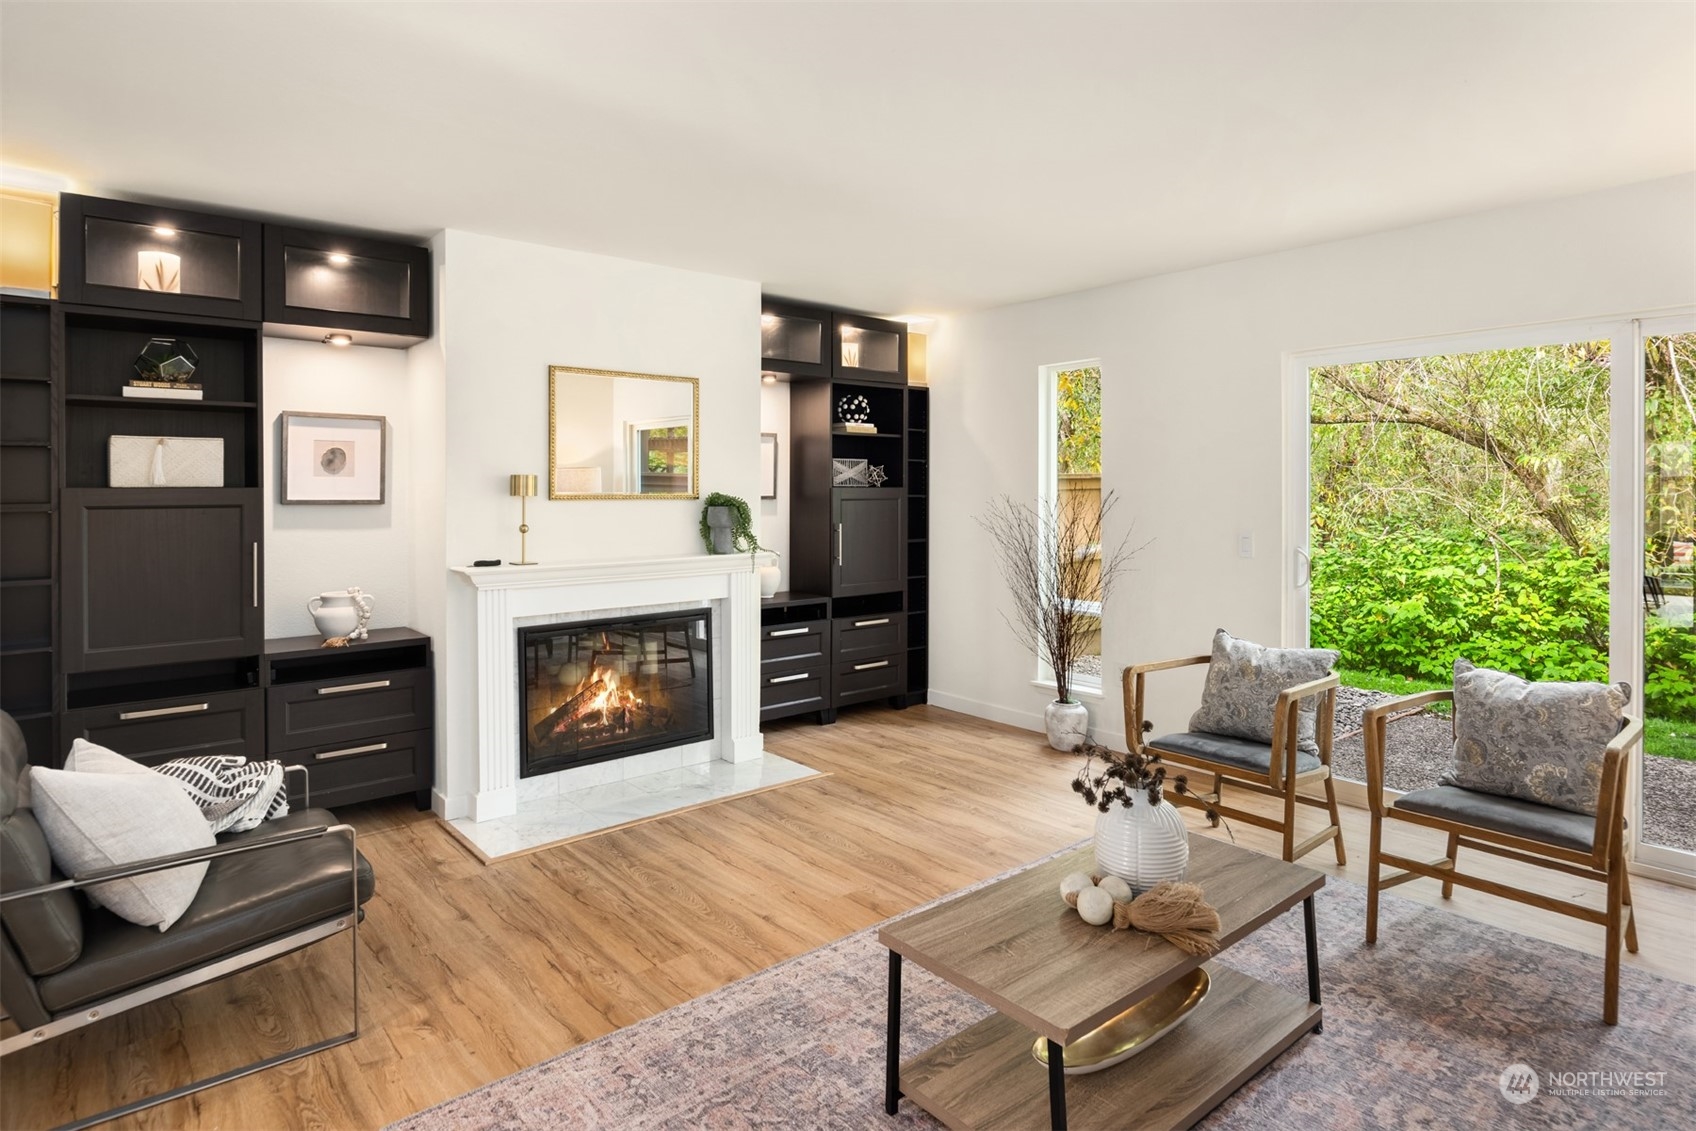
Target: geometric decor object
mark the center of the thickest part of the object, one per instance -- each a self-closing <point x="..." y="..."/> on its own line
<point x="166" y="359"/>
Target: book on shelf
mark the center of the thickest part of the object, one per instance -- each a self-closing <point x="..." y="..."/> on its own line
<point x="164" y="391"/>
<point x="857" y="428"/>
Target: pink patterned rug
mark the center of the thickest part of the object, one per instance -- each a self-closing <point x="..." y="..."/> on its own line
<point x="1418" y="1032"/>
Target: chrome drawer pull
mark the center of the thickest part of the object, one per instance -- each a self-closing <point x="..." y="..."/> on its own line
<point x="351" y="750"/>
<point x="372" y="686"/>
<point x="160" y="712"/>
<point x="791" y="632"/>
<point x="789" y="678"/>
<point x="870" y="666"/>
<point x="870" y="623"/>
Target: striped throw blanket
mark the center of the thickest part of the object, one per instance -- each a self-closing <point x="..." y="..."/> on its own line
<point x="234" y="794"/>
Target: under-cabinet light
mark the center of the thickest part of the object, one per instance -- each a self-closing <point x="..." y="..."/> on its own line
<point x="340" y="259"/>
<point x="338" y="340"/>
<point x="164" y="231"/>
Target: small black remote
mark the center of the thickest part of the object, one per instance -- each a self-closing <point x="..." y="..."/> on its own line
<point x="487" y="562"/>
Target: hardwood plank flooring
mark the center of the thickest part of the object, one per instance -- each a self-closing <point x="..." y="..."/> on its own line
<point x="469" y="972"/>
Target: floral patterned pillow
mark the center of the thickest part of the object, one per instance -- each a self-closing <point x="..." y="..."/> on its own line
<point x="1539" y="742"/>
<point x="1244" y="681"/>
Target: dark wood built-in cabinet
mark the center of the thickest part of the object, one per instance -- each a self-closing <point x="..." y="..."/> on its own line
<point x="362" y="717"/>
<point x="167" y="260"/>
<point x="316" y="281"/>
<point x="796" y="657"/>
<point x="855" y="540"/>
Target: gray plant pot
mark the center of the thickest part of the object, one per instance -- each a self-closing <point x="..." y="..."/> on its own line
<point x="719" y="521"/>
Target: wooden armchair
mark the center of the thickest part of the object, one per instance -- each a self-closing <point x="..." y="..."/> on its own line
<point x="1277" y="769"/>
<point x="1573" y="844"/>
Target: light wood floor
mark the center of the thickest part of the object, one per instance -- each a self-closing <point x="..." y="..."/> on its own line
<point x="470" y="972"/>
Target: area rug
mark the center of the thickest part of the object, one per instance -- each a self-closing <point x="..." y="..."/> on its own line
<point x="1421" y="1031"/>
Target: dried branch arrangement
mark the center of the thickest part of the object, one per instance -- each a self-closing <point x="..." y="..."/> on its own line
<point x="1059" y="574"/>
<point x="1122" y="775"/>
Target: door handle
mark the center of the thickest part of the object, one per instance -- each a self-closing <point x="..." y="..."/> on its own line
<point x="839" y="543"/>
<point x="161" y="712"/>
<point x="789" y="678"/>
<point x="790" y="632"/>
<point x="1305" y="564"/>
<point x="869" y="623"/>
<point x="870" y="666"/>
<point x="351" y="750"/>
<point x="256" y="575"/>
<point x="372" y="686"/>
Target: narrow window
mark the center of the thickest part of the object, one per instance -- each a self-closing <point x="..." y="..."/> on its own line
<point x="1070" y="491"/>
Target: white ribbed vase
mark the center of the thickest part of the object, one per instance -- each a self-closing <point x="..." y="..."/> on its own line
<point x="1143" y="845"/>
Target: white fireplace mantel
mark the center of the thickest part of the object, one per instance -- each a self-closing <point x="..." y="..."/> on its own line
<point x="508" y="596"/>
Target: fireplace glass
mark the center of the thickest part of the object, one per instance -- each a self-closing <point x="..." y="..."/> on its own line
<point x="594" y="690"/>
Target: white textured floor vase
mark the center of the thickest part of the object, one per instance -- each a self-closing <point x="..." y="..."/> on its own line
<point x="1067" y="724"/>
<point x="1144" y="844"/>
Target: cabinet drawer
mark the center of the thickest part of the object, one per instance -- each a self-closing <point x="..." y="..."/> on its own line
<point x="869" y="637"/>
<point x="330" y="711"/>
<point x="374" y="766"/>
<point x="790" y="642"/>
<point x="866" y="680"/>
<point x="227" y="722"/>
<point x="804" y="688"/>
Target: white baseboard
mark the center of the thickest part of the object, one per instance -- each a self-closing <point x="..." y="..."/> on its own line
<point x="1024" y="720"/>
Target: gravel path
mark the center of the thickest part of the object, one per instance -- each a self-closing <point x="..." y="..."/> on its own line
<point x="1419" y="750"/>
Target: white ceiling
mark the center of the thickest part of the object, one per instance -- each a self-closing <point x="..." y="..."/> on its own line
<point x="890" y="157"/>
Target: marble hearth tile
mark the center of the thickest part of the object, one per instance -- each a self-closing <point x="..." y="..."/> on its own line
<point x="537" y="788"/>
<point x="573" y="813"/>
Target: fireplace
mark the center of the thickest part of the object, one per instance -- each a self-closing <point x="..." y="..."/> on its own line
<point x="600" y="689"/>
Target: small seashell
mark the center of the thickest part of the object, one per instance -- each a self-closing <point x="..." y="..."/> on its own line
<point x="1073" y="884"/>
<point x="1117" y="888"/>
<point x="1095" y="906"/>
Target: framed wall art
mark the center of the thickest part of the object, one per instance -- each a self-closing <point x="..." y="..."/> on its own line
<point x="331" y="458"/>
<point x="768" y="465"/>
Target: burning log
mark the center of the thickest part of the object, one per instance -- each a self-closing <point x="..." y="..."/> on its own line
<point x="569" y="712"/>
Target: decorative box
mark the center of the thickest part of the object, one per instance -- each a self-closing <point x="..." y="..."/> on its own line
<point x="850" y="473"/>
<point x="165" y="461"/>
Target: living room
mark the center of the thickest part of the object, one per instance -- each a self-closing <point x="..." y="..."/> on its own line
<point x="1200" y="204"/>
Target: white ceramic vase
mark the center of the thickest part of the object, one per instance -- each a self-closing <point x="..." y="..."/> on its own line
<point x="1143" y="845"/>
<point x="770" y="578"/>
<point x="1068" y="725"/>
<point x="341" y="613"/>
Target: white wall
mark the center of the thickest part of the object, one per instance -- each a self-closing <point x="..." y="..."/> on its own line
<point x="1193" y="412"/>
<point x="509" y="310"/>
<point x="310" y="549"/>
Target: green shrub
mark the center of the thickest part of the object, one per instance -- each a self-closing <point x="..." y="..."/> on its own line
<point x="1409" y="605"/>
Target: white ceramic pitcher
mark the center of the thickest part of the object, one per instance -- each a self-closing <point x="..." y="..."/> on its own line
<point x="341" y="613"/>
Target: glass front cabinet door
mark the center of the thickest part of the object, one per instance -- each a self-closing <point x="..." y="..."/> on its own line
<point x="318" y="283"/>
<point x="794" y="340"/>
<point x="149" y="257"/>
<point x="869" y="349"/>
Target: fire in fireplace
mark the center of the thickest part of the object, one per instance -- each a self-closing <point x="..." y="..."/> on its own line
<point x="594" y="690"/>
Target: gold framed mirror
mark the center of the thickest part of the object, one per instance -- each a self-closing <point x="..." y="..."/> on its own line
<point x="616" y="435"/>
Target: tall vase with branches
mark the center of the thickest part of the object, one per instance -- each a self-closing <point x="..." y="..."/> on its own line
<point x="1060" y="575"/>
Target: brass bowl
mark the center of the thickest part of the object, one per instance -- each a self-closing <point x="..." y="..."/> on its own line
<point x="1133" y="1030"/>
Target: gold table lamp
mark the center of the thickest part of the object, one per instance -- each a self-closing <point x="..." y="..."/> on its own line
<point x="522" y="487"/>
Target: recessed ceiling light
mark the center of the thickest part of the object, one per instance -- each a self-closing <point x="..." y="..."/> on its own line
<point x="164" y="231"/>
<point x="338" y="339"/>
<point x="340" y="259"/>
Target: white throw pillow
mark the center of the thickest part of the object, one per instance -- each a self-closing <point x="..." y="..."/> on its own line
<point x="118" y="814"/>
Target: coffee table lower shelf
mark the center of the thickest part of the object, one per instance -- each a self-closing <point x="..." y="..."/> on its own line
<point x="986" y="1077"/>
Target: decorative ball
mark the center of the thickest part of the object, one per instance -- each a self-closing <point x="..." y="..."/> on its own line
<point x="1117" y="888"/>
<point x="1075" y="883"/>
<point x="1095" y="906"/>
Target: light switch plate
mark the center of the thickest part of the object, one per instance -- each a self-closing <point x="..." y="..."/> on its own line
<point x="1245" y="544"/>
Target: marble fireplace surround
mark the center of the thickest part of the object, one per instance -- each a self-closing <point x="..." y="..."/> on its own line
<point x="510" y="597"/>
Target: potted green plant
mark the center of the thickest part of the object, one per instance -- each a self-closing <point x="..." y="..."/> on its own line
<point x="1048" y="554"/>
<point x="727" y="525"/>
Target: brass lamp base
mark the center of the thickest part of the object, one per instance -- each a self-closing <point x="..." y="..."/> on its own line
<point x="1133" y="1030"/>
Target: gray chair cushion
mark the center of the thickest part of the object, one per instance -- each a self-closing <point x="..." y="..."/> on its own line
<point x="1503" y="815"/>
<point x="46" y="930"/>
<point x="244" y="900"/>
<point x="1227" y="750"/>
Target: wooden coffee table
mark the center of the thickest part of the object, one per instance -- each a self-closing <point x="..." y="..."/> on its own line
<point x="1014" y="945"/>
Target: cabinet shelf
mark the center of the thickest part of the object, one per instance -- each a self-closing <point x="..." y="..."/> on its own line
<point x="25" y="582"/>
<point x="33" y="650"/>
<point x="153" y="402"/>
<point x="39" y="379"/>
<point x="866" y="435"/>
